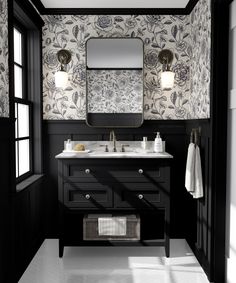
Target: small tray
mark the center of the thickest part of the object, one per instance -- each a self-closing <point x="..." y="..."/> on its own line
<point x="76" y="151"/>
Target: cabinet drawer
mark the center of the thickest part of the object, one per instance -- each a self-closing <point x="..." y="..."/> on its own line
<point x="87" y="195"/>
<point x="141" y="195"/>
<point x="138" y="174"/>
<point x="121" y="171"/>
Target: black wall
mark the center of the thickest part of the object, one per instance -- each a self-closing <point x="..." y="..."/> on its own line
<point x="183" y="207"/>
<point x="6" y="243"/>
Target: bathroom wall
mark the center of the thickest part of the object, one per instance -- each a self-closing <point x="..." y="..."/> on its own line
<point x="200" y="19"/>
<point x="157" y="32"/>
<point x="178" y="33"/>
<point x="230" y="252"/>
<point x="4" y="85"/>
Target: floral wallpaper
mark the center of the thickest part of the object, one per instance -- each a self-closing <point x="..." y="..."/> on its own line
<point x="4" y="82"/>
<point x="201" y="60"/>
<point x="157" y="32"/>
<point x="115" y="91"/>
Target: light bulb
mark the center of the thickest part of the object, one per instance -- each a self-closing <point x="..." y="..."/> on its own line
<point x="61" y="79"/>
<point x="167" y="80"/>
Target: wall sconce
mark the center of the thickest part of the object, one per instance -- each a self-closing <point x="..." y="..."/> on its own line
<point x="167" y="76"/>
<point x="61" y="76"/>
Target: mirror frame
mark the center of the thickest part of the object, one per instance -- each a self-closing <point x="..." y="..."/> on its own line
<point x="115" y="120"/>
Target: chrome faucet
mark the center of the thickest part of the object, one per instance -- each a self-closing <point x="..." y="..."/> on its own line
<point x="113" y="139"/>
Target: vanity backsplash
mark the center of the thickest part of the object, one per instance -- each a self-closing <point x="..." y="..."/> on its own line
<point x="187" y="36"/>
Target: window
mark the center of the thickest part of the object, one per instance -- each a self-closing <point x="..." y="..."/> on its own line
<point x="23" y="108"/>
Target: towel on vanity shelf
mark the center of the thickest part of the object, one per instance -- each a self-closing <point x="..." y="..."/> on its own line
<point x="198" y="189"/>
<point x="112" y="226"/>
<point x="190" y="166"/>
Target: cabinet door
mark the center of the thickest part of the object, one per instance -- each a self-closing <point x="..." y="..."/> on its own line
<point x="87" y="195"/>
<point x="141" y="195"/>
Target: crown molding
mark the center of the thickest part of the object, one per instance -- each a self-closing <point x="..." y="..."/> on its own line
<point x="114" y="11"/>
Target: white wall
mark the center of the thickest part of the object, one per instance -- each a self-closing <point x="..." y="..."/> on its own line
<point x="231" y="163"/>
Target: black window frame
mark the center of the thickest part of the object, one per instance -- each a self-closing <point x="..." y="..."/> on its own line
<point x="23" y="101"/>
<point x="26" y="19"/>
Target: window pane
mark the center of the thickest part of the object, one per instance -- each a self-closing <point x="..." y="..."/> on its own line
<point x="16" y="122"/>
<point x="17" y="169"/>
<point x="23" y="120"/>
<point x="18" y="81"/>
<point x="17" y="47"/>
<point x="24" y="161"/>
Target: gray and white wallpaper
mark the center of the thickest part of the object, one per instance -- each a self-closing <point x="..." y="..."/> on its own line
<point x="157" y="32"/>
<point x="115" y="91"/>
<point x="201" y="60"/>
<point x="4" y="82"/>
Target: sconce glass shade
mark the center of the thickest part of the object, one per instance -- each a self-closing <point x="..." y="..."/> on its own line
<point x="167" y="80"/>
<point x="61" y="79"/>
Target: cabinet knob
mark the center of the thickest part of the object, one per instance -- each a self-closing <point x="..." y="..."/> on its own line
<point x="140" y="171"/>
<point x="140" y="196"/>
<point x="87" y="171"/>
<point x="87" y="196"/>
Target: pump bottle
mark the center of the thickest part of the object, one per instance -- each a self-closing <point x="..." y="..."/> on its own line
<point x="158" y="143"/>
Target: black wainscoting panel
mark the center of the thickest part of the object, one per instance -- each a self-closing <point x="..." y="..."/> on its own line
<point x="29" y="225"/>
<point x="201" y="237"/>
<point x="6" y="206"/>
<point x="173" y="132"/>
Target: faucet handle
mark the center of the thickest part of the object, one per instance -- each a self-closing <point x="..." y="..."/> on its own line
<point x="123" y="147"/>
<point x="106" y="147"/>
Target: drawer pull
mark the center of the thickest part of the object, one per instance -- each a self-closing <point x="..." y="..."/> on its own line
<point x="87" y="196"/>
<point x="140" y="196"/>
<point x="87" y="171"/>
<point x="140" y="171"/>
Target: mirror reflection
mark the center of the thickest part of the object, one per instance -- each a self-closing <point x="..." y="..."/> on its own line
<point x="114" y="82"/>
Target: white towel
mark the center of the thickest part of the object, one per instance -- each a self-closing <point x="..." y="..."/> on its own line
<point x="198" y="189"/>
<point x="112" y="226"/>
<point x="190" y="166"/>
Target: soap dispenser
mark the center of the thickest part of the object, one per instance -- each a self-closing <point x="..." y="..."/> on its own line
<point x="158" y="143"/>
<point x="68" y="145"/>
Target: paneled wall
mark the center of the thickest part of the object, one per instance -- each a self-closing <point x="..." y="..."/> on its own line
<point x="6" y="213"/>
<point x="204" y="208"/>
<point x="173" y="132"/>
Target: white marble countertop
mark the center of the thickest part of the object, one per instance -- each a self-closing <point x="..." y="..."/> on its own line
<point x="96" y="149"/>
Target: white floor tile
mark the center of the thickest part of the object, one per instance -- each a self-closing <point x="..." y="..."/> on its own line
<point x="114" y="265"/>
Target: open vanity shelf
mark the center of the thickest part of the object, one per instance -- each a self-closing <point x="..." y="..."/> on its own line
<point x="114" y="186"/>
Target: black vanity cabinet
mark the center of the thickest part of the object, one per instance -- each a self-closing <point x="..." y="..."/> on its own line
<point x="119" y="187"/>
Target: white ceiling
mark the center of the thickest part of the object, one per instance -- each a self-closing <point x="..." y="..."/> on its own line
<point x="114" y="3"/>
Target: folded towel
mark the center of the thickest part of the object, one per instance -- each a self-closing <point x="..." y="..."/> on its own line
<point x="190" y="166"/>
<point x="112" y="226"/>
<point x="198" y="189"/>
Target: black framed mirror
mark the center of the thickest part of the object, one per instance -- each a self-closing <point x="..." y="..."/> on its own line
<point x="114" y="82"/>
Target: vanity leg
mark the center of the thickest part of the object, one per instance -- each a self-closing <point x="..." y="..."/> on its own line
<point x="61" y="248"/>
<point x="167" y="232"/>
<point x="167" y="249"/>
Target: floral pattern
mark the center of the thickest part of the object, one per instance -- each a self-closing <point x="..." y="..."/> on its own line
<point x="4" y="81"/>
<point x="119" y="91"/>
<point x="179" y="33"/>
<point x="200" y="67"/>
